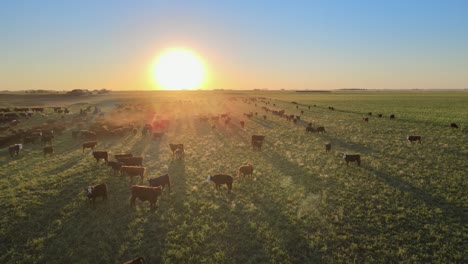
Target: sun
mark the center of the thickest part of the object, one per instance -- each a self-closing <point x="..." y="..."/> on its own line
<point x="178" y="69"/>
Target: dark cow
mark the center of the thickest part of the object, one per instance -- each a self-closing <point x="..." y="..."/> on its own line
<point x="257" y="141"/>
<point x="453" y="125"/>
<point x="413" y="138"/>
<point x="245" y="170"/>
<point x="366" y="119"/>
<point x="123" y="155"/>
<point x="380" y="115"/>
<point x="137" y="260"/>
<point x="327" y="147"/>
<point x="14" y="150"/>
<point x="242" y="124"/>
<point x="132" y="171"/>
<point x="115" y="165"/>
<point x="161" y="181"/>
<point x="98" y="155"/>
<point x="370" y="113"/>
<point x="48" y="150"/>
<point x="320" y="129"/>
<point x="131" y="161"/>
<point x="309" y="129"/>
<point x="90" y="144"/>
<point x="96" y="191"/>
<point x="219" y="179"/>
<point x="352" y="158"/>
<point x="145" y="193"/>
<point x="392" y="116"/>
<point x="174" y="148"/>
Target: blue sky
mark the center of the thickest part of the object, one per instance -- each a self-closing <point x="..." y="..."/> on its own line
<point x="245" y="44"/>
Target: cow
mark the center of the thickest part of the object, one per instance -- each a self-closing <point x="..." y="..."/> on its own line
<point x="14" y="150"/>
<point x="320" y="129"/>
<point x="219" y="179"/>
<point x="90" y="144"/>
<point x="92" y="192"/>
<point x="257" y="141"/>
<point x="327" y="147"/>
<point x="309" y="129"/>
<point x="115" y="165"/>
<point x="123" y="155"/>
<point x="245" y="170"/>
<point x="48" y="150"/>
<point x="242" y="124"/>
<point x="178" y="154"/>
<point x="413" y="138"/>
<point x="145" y="193"/>
<point x="131" y="161"/>
<point x="370" y="113"/>
<point x="100" y="155"/>
<point x="179" y="147"/>
<point x="453" y="125"/>
<point x="137" y="260"/>
<point x="132" y="171"/>
<point x="352" y="158"/>
<point x="161" y="181"/>
<point x="379" y="115"/>
<point x="392" y="116"/>
<point x="366" y="119"/>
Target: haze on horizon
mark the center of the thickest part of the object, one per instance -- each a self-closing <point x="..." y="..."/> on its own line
<point x="63" y="45"/>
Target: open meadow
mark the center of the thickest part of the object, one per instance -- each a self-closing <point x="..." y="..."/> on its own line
<point x="406" y="203"/>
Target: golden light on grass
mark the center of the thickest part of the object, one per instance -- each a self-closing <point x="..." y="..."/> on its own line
<point x="178" y="69"/>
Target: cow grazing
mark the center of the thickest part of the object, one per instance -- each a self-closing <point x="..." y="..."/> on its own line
<point x="174" y="148"/>
<point x="90" y="144"/>
<point x="352" y="158"/>
<point x="245" y="170"/>
<point x="309" y="129"/>
<point x="92" y="192"/>
<point x="132" y="171"/>
<point x="145" y="193"/>
<point x="123" y="155"/>
<point x="413" y="138"/>
<point x="98" y="155"/>
<point x="328" y="147"/>
<point x="14" y="150"/>
<point x="392" y="116"/>
<point x="366" y="119"/>
<point x="48" y="150"/>
<point x="161" y="181"/>
<point x="219" y="179"/>
<point x="131" y="161"/>
<point x="453" y="125"/>
<point x="115" y="165"/>
<point x="320" y="129"/>
<point x="137" y="260"/>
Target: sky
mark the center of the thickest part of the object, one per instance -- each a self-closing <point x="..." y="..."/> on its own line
<point x="379" y="44"/>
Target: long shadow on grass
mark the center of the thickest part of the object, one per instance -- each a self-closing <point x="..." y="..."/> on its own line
<point x="451" y="211"/>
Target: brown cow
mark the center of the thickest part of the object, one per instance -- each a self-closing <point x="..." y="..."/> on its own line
<point x="132" y="171"/>
<point x="48" y="150"/>
<point x="352" y="158"/>
<point x="453" y="125"/>
<point x="15" y="149"/>
<point x="245" y="170"/>
<point x="90" y="144"/>
<point x="131" y="161"/>
<point x="100" y="155"/>
<point x="310" y="129"/>
<point x="95" y="191"/>
<point x="115" y="165"/>
<point x="219" y="179"/>
<point x="366" y="119"/>
<point x="320" y="129"/>
<point x="327" y="147"/>
<point x="161" y="181"/>
<point x="174" y="148"/>
<point x="137" y="260"/>
<point x="145" y="193"/>
<point x="413" y="138"/>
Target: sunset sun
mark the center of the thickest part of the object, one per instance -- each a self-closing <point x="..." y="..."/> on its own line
<point x="178" y="69"/>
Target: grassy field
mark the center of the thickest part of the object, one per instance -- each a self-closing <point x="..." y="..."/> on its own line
<point x="407" y="203"/>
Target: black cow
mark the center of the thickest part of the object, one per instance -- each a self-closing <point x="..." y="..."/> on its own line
<point x="161" y="181"/>
<point x="96" y="191"/>
<point x="145" y="193"/>
<point x="219" y="179"/>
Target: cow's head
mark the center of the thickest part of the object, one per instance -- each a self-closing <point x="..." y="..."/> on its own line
<point x="407" y="136"/>
<point x="89" y="191"/>
<point x="208" y="179"/>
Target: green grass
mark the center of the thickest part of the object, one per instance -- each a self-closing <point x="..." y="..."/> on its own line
<point x="406" y="204"/>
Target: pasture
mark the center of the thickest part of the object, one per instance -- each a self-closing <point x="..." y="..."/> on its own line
<point x="406" y="203"/>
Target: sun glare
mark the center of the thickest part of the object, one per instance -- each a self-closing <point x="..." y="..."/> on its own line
<point x="178" y="69"/>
